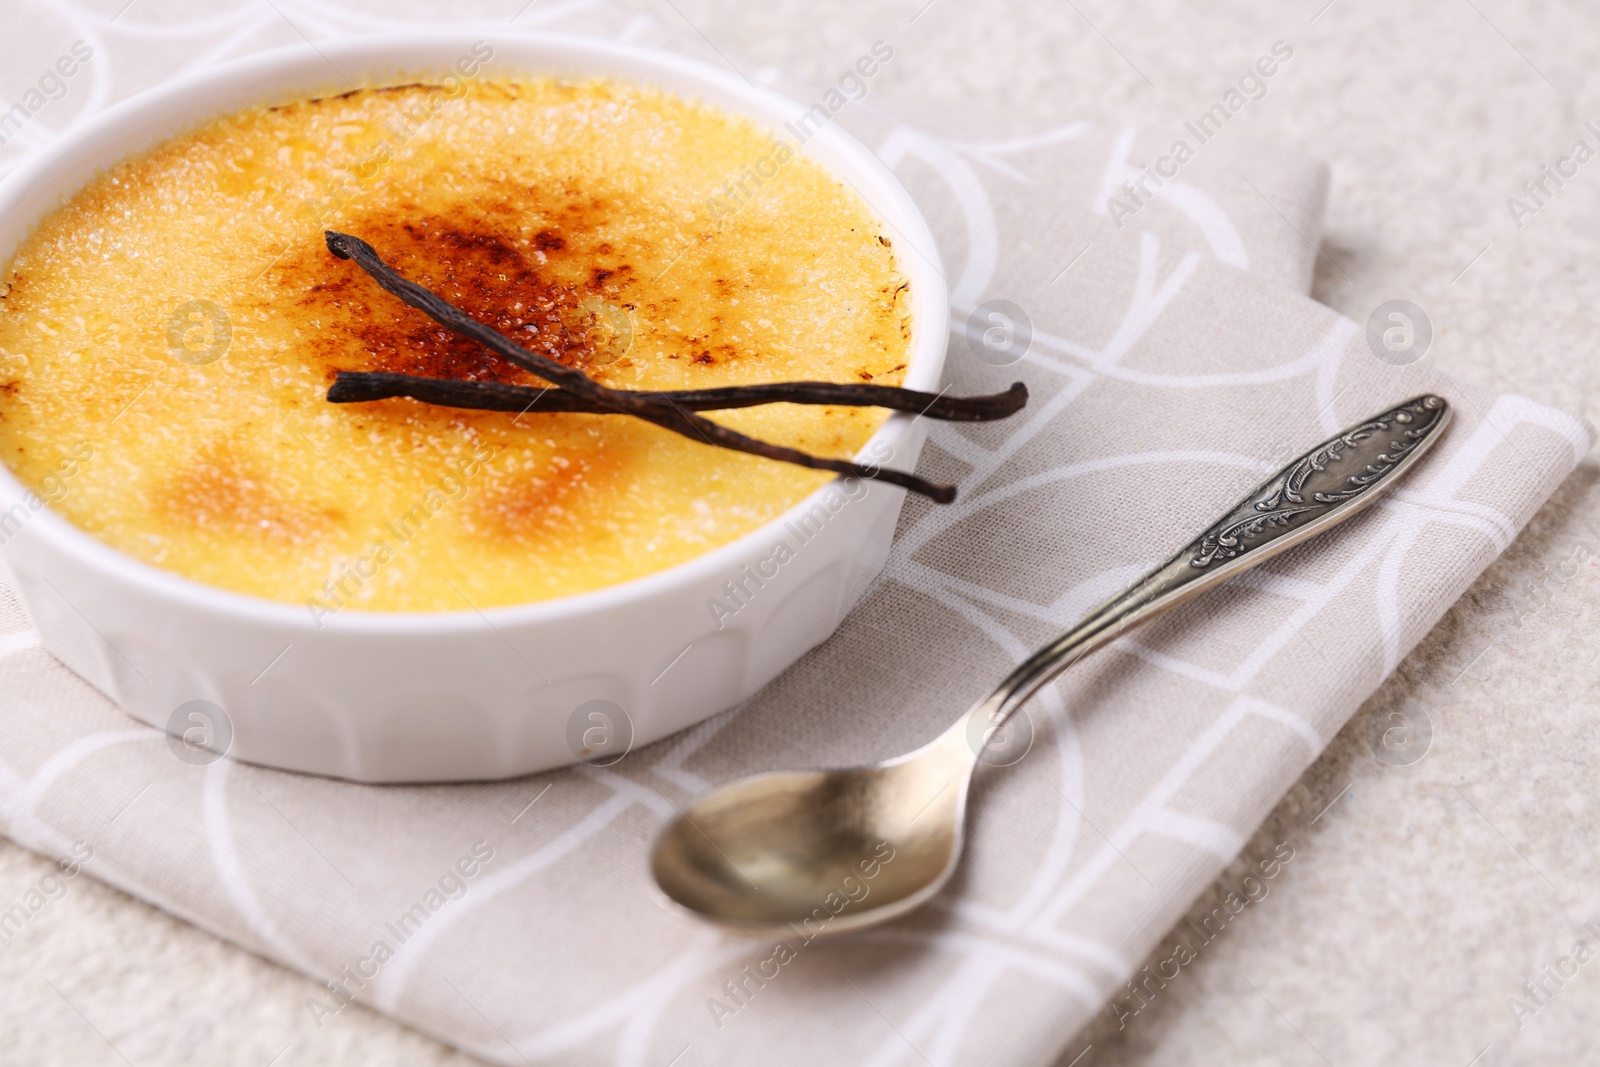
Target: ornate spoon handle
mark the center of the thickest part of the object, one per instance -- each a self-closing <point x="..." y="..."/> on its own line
<point x="1318" y="490"/>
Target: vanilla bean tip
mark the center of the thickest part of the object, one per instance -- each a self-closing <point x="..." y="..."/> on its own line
<point x="1016" y="398"/>
<point x="343" y="245"/>
<point x="348" y="388"/>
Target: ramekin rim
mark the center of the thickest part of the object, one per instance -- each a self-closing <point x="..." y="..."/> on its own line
<point x="925" y="363"/>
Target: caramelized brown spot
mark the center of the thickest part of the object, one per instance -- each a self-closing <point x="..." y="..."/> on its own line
<point x="221" y="492"/>
<point x="534" y="290"/>
<point x="318" y="100"/>
<point x="526" y="506"/>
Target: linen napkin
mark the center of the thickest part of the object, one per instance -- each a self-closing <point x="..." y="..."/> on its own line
<point x="1173" y="361"/>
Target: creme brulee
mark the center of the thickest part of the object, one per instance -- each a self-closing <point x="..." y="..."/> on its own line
<point x="168" y="336"/>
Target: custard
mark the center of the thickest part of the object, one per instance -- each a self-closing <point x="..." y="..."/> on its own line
<point x="169" y="334"/>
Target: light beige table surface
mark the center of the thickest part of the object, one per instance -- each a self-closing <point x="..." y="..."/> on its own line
<point x="1421" y="897"/>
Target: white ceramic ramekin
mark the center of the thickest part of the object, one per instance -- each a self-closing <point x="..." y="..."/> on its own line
<point x="459" y="695"/>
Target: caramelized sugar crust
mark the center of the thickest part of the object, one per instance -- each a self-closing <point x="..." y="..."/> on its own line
<point x="180" y="320"/>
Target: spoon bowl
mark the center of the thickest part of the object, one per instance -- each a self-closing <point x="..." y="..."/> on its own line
<point x="827" y="851"/>
<point x="820" y="851"/>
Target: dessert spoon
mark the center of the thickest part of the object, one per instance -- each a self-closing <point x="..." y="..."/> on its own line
<point x="827" y="851"/>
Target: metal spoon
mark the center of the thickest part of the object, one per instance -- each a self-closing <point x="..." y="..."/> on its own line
<point x="826" y="851"/>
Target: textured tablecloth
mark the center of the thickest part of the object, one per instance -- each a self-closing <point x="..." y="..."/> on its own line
<point x="1173" y="362"/>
